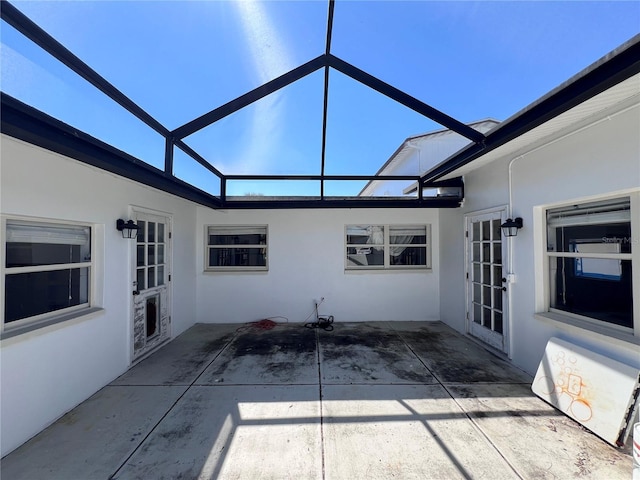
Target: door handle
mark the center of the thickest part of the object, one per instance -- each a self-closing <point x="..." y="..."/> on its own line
<point x="136" y="292"/>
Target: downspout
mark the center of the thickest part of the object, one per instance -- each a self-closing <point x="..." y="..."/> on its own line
<point x="511" y="275"/>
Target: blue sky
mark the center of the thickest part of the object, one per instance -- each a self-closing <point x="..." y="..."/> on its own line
<point x="180" y="59"/>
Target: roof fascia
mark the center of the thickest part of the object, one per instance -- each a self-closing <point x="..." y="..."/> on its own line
<point x="25" y="123"/>
<point x="612" y="69"/>
<point x="28" y="124"/>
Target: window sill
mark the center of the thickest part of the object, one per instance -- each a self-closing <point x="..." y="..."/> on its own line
<point x="211" y="271"/>
<point x="83" y="314"/>
<point x="388" y="270"/>
<point x="574" y="325"/>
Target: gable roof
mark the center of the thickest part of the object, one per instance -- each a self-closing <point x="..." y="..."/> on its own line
<point x="422" y="142"/>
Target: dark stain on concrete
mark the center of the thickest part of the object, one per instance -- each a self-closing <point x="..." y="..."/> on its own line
<point x="383" y="349"/>
<point x="281" y="354"/>
<point x="215" y="345"/>
<point x="265" y="343"/>
<point x="456" y="359"/>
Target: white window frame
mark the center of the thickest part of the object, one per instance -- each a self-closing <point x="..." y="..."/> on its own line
<point x="387" y="248"/>
<point x="24" y="325"/>
<point x="208" y="248"/>
<point x="573" y="320"/>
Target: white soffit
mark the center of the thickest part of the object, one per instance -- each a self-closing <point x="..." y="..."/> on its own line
<point x="594" y="390"/>
<point x="619" y="97"/>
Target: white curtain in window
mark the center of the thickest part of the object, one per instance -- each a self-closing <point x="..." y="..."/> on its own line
<point x="403" y="235"/>
<point x="397" y="250"/>
<point x="377" y="235"/>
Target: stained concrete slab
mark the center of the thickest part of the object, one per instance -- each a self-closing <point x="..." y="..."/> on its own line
<point x="235" y="432"/>
<point x="403" y="431"/>
<point x="95" y="438"/>
<point x="287" y="354"/>
<point x="183" y="359"/>
<point x="454" y="358"/>
<point x="538" y="440"/>
<point x="368" y="353"/>
<point x="468" y="426"/>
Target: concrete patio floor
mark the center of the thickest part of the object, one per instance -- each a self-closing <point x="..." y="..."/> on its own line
<point x="378" y="400"/>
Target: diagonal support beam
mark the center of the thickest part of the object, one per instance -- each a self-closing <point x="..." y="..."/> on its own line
<point x="37" y="35"/>
<point x="249" y="98"/>
<point x="405" y="99"/>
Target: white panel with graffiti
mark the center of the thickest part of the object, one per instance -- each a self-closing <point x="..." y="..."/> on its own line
<point x="592" y="389"/>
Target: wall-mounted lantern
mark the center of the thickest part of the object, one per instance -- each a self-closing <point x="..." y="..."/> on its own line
<point x="129" y="229"/>
<point x="510" y="227"/>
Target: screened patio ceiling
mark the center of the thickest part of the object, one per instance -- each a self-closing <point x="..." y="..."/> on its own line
<point x="272" y="104"/>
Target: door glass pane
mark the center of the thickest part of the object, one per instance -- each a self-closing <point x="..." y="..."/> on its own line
<point x="151" y="277"/>
<point x="476" y="231"/>
<point x="496" y="229"/>
<point x="477" y="313"/>
<point x="476" y="252"/>
<point x="497" y="276"/>
<point x="477" y="295"/>
<point x="486" y="274"/>
<point x="486" y="252"/>
<point x="497" y="253"/>
<point x="152" y="232"/>
<point x="151" y="257"/>
<point x="476" y="273"/>
<point x="140" y="278"/>
<point x="141" y="231"/>
<point x="161" y="275"/>
<point x="497" y="298"/>
<point x="497" y="322"/>
<point x="486" y="296"/>
<point x="140" y="255"/>
<point x="160" y="252"/>
<point x="486" y="317"/>
<point x="161" y="233"/>
<point x="486" y="230"/>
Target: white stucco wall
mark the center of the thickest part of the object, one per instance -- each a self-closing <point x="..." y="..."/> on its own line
<point x="306" y="262"/>
<point x="47" y="372"/>
<point x="602" y="158"/>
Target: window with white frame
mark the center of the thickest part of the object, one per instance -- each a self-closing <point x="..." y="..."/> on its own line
<point x="47" y="271"/>
<point x="589" y="261"/>
<point x="387" y="247"/>
<point x="236" y="247"/>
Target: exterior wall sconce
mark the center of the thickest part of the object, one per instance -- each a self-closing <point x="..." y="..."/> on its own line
<point x="510" y="227"/>
<point x="129" y="229"/>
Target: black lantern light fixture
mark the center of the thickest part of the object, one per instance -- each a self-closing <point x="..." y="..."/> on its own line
<point x="129" y="228"/>
<point x="511" y="226"/>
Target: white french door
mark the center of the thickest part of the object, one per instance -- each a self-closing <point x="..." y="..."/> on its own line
<point x="151" y="280"/>
<point x="487" y="312"/>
